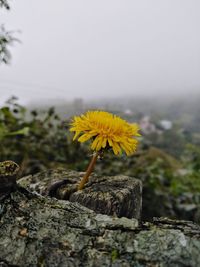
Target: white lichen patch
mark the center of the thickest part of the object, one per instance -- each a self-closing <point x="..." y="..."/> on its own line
<point x="182" y="240"/>
<point x="88" y="223"/>
<point x="124" y="223"/>
<point x="103" y="218"/>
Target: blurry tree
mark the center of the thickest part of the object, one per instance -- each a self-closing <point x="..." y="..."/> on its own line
<point x="4" y="3"/>
<point x="6" y="38"/>
<point x="191" y="157"/>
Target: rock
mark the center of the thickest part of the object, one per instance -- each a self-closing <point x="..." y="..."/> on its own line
<point x="112" y="195"/>
<point x="41" y="181"/>
<point x="42" y="231"/>
<point x="8" y="175"/>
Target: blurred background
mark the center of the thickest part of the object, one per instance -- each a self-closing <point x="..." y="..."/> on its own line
<point x="137" y="59"/>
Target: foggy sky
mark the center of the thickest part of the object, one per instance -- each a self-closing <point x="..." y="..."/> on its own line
<point x="102" y="48"/>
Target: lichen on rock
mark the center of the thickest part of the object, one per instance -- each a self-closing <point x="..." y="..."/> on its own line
<point x="42" y="231"/>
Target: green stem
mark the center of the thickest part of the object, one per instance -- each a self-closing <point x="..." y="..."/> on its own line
<point x="90" y="168"/>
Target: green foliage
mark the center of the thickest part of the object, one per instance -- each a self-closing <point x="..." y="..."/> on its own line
<point x="189" y="182"/>
<point x="6" y="119"/>
<point x="192" y="157"/>
<point x="36" y="140"/>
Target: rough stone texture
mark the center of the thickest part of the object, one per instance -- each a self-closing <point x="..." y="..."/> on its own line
<point x="118" y="195"/>
<point x="53" y="182"/>
<point x="40" y="231"/>
<point x="112" y="195"/>
<point x="8" y="174"/>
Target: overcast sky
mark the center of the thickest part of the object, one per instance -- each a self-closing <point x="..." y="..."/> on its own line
<point x="102" y="48"/>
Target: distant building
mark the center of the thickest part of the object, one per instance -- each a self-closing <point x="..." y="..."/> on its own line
<point x="165" y="124"/>
<point x="128" y="112"/>
<point x="146" y="126"/>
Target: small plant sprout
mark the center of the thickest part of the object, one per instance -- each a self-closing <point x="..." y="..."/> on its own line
<point x="107" y="131"/>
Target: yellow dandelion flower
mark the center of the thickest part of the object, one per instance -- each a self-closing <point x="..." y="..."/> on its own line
<point x="106" y="130"/>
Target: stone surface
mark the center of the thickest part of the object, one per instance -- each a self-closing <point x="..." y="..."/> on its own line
<point x="112" y="195"/>
<point x="40" y="231"/>
<point x="8" y="175"/>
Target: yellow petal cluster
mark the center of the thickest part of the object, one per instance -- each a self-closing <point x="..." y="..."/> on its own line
<point x="106" y="130"/>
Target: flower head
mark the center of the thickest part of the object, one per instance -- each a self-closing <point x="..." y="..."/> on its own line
<point x="106" y="130"/>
